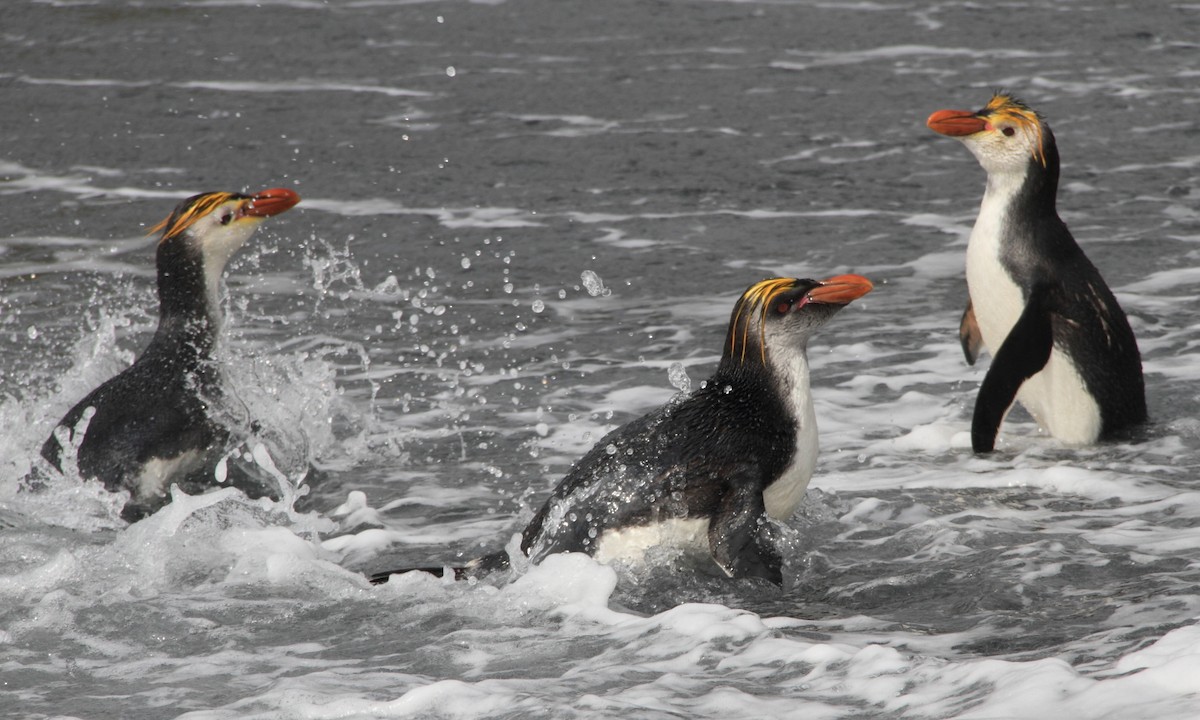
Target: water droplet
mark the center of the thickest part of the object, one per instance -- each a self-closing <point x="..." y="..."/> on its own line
<point x="508" y="288"/>
<point x="451" y="72"/>
<point x="466" y="263"/>
<point x="678" y="376"/>
<point x="592" y="282"/>
<point x="611" y="449"/>
<point x="32" y="332"/>
<point x="538" y="306"/>
<point x="542" y="429"/>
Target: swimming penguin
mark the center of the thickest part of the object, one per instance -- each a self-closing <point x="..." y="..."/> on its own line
<point x="1060" y="343"/>
<point x="155" y="424"/>
<point x="708" y="470"/>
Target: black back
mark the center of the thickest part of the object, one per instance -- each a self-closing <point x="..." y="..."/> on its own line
<point x="1088" y="324"/>
<point x="676" y="462"/>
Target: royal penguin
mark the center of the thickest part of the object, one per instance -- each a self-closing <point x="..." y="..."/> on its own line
<point x="710" y="470"/>
<point x="1060" y="342"/>
<point x="159" y="421"/>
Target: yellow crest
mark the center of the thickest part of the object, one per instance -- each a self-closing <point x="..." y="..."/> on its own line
<point x="1006" y="107"/>
<point x="756" y="301"/>
<point x="195" y="208"/>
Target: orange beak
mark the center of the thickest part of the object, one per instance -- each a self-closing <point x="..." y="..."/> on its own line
<point x="956" y="123"/>
<point x="266" y="203"/>
<point x="841" y="289"/>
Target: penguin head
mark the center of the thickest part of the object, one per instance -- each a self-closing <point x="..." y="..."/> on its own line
<point x="200" y="237"/>
<point x="783" y="313"/>
<point x="1006" y="136"/>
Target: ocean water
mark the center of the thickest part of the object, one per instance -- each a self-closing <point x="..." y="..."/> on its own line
<point x="521" y="221"/>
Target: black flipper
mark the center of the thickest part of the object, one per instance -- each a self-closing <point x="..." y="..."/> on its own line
<point x="1023" y="354"/>
<point x="475" y="568"/>
<point x="738" y="537"/>
<point x="968" y="334"/>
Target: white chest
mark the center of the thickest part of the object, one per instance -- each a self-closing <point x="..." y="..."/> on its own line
<point x="630" y="544"/>
<point x="158" y="473"/>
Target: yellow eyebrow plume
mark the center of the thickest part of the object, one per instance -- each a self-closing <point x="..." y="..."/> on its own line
<point x="181" y="220"/>
<point x="1006" y="107"/>
<point x="757" y="298"/>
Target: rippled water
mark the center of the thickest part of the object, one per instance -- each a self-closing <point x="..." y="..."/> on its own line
<point x="517" y="217"/>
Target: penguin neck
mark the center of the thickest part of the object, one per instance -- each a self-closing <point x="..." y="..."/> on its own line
<point x="189" y="311"/>
<point x="1017" y="229"/>
<point x="780" y="375"/>
<point x="1031" y="194"/>
<point x="785" y="408"/>
<point x="1015" y="202"/>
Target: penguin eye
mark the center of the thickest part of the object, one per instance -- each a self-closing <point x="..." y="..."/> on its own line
<point x="1008" y="131"/>
<point x="226" y="217"/>
<point x="784" y="307"/>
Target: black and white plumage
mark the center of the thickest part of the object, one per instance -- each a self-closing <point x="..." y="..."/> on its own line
<point x="157" y="423"/>
<point x="1060" y="342"/>
<point x="705" y="471"/>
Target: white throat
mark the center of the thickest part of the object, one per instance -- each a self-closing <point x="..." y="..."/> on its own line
<point x="216" y="249"/>
<point x="212" y="291"/>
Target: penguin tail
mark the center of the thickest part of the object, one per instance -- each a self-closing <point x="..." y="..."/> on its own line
<point x="474" y="569"/>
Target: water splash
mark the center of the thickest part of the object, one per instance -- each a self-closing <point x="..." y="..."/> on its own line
<point x="593" y="284"/>
<point x="678" y="376"/>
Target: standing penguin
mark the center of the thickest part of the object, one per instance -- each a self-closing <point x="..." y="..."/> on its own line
<point x="1060" y="343"/>
<point x="156" y="424"/>
<point x="708" y="470"/>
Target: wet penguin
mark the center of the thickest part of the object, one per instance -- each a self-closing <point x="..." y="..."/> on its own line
<point x="706" y="471"/>
<point x="157" y="423"/>
<point x="1060" y="343"/>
